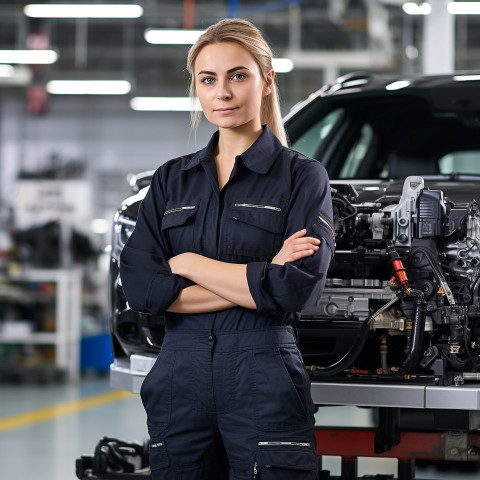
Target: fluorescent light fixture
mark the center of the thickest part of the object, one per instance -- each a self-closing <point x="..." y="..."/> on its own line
<point x="88" y="87"/>
<point x="466" y="78"/>
<point x="282" y="65"/>
<point x="413" y="8"/>
<point x="165" y="104"/>
<point x="18" y="76"/>
<point x="171" y="37"/>
<point x="6" y="71"/>
<point x="397" y="85"/>
<point x="82" y="11"/>
<point x="29" y="57"/>
<point x="464" y="8"/>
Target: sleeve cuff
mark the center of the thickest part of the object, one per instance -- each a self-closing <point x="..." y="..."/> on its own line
<point x="169" y="286"/>
<point x="256" y="274"/>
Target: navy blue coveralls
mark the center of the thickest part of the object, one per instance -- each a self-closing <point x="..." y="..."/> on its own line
<point x="229" y="396"/>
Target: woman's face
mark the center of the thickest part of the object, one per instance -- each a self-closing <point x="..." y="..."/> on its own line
<point x="229" y="85"/>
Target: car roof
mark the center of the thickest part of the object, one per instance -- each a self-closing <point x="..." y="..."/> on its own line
<point x="457" y="91"/>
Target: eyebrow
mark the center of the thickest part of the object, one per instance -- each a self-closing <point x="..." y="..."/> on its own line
<point x="231" y="70"/>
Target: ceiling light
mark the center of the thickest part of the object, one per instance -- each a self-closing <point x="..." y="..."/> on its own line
<point x="172" y="37"/>
<point x="397" y="85"/>
<point x="29" y="57"/>
<point x="464" y="8"/>
<point x="6" y="71"/>
<point x="82" y="11"/>
<point x="413" y="8"/>
<point x="282" y="65"/>
<point x="165" y="104"/>
<point x="88" y="87"/>
<point x="466" y="78"/>
<point x="15" y="76"/>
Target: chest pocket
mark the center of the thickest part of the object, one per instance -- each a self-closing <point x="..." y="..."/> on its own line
<point x="178" y="225"/>
<point x="256" y="229"/>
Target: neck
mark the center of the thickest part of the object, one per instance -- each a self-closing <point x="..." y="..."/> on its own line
<point x="235" y="141"/>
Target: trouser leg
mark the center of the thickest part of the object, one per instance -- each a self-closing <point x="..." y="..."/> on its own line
<point x="184" y="439"/>
<point x="268" y="426"/>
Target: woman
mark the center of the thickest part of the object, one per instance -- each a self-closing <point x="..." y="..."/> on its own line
<point x="231" y="243"/>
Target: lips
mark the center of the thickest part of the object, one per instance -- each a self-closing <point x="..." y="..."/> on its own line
<point x="225" y="110"/>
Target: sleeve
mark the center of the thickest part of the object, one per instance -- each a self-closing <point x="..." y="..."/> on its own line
<point x="147" y="280"/>
<point x="296" y="285"/>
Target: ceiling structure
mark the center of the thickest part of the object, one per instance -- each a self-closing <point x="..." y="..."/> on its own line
<point x="324" y="38"/>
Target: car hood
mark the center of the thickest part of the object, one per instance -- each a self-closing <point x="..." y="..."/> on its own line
<point x="460" y="190"/>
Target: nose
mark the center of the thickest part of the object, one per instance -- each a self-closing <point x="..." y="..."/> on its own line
<point x="223" y="92"/>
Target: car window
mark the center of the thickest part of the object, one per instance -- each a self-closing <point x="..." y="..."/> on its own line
<point x="460" y="162"/>
<point x="357" y="153"/>
<point x="309" y="142"/>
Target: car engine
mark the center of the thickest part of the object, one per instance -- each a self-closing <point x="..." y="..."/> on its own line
<point x="401" y="298"/>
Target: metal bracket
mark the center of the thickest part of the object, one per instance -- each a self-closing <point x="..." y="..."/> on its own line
<point x="455" y="446"/>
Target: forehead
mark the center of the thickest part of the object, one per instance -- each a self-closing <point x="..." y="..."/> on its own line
<point x="220" y="57"/>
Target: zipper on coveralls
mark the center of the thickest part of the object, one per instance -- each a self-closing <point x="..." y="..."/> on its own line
<point x="179" y="209"/>
<point x="290" y="444"/>
<point x="328" y="225"/>
<point x="251" y="205"/>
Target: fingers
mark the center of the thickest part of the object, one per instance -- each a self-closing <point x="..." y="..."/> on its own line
<point x="295" y="247"/>
<point x="301" y="242"/>
<point x="300" y="248"/>
<point x="298" y="234"/>
<point x="294" y="256"/>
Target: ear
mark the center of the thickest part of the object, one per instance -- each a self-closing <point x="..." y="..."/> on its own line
<point x="269" y="82"/>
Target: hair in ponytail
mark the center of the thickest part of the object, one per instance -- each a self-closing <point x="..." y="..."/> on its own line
<point x="247" y="35"/>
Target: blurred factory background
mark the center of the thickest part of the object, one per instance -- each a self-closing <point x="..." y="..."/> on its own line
<point x="66" y="154"/>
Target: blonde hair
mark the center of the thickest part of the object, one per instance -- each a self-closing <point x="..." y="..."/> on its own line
<point x="248" y="36"/>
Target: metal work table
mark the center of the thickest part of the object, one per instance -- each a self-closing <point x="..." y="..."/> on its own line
<point x="128" y="374"/>
<point x="462" y="397"/>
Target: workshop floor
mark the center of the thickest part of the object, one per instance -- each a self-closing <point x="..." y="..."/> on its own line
<point x="44" y="429"/>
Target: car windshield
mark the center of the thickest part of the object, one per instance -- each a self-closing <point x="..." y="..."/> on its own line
<point x="375" y="139"/>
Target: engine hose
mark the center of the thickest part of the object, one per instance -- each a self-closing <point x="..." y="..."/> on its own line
<point x="418" y="321"/>
<point x="353" y="352"/>
<point x="348" y="358"/>
<point x="438" y="273"/>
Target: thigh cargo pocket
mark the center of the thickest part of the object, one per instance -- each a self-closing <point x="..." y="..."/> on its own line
<point x="158" y="454"/>
<point x="285" y="461"/>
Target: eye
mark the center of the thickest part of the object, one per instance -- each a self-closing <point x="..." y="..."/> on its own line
<point x="239" y="76"/>
<point x="207" y="80"/>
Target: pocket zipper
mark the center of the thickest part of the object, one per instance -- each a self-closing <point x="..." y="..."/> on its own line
<point x="251" y="205"/>
<point x="255" y="470"/>
<point x="179" y="209"/>
<point x="290" y="444"/>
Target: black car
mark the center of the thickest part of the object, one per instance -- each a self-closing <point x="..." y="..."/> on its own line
<point x="401" y="302"/>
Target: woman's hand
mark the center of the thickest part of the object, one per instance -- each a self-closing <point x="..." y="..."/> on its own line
<point x="296" y="247"/>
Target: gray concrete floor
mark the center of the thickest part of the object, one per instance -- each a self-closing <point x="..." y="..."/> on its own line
<point x="46" y="448"/>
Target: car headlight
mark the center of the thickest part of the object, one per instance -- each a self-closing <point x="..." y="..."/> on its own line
<point x="122" y="229"/>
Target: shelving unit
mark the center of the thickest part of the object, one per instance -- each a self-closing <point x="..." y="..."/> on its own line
<point x="54" y="320"/>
